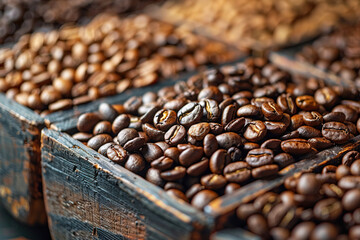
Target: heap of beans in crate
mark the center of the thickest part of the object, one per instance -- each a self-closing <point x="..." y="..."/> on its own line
<point x="53" y="71"/>
<point x="264" y="23"/>
<point x="221" y="129"/>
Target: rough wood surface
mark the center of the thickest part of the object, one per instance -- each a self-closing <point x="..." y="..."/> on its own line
<point x="88" y="196"/>
<point x="20" y="169"/>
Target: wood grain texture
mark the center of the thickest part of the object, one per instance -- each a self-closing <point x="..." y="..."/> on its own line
<point x="20" y="169"/>
<point x="88" y="196"/>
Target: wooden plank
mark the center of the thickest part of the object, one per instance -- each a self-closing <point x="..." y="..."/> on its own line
<point x="223" y="206"/>
<point x="232" y="234"/>
<point x="88" y="196"/>
<point x="20" y="175"/>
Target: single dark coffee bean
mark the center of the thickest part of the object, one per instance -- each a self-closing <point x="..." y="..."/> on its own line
<point x="135" y="163"/>
<point x="328" y="209"/>
<point x="332" y="190"/>
<point x="173" y="153"/>
<point x="164" y="119"/>
<point x="210" y="144"/>
<point x="308" y="132"/>
<point x="175" y="135"/>
<point x="266" y="202"/>
<point x="236" y="125"/>
<point x="153" y="176"/>
<point x="107" y="112"/>
<point x="199" y="131"/>
<point x="324" y="231"/>
<point x="255" y="131"/>
<point x="272" y="144"/>
<point x="320" y="142"/>
<point x="149" y="115"/>
<point x="211" y="111"/>
<point x="258" y="225"/>
<point x="229" y="139"/>
<point x="211" y="92"/>
<point x="177" y="194"/>
<point x="82" y="136"/>
<point x="342" y="171"/>
<point x="259" y="157"/>
<point x="283" y="160"/>
<point x="350" y="201"/>
<point x="351" y="114"/>
<point x="249" y="111"/>
<point x="282" y="215"/>
<point x="228" y="114"/>
<point x="308" y="184"/>
<point x="326" y="96"/>
<point x="134" y="144"/>
<point x="120" y="122"/>
<point x="126" y="135"/>
<point x="336" y="132"/>
<point x="355" y="168"/>
<point x="151" y="151"/>
<point x="303" y="230"/>
<point x="198" y="168"/>
<point x="190" y="114"/>
<point x="191" y="155"/>
<point x="174" y="174"/>
<point x="103" y="149"/>
<point x="258" y="102"/>
<point x="286" y="103"/>
<point x="97" y="141"/>
<point x="272" y="111"/>
<point x="132" y="104"/>
<point x="246" y="210"/>
<point x="306" y="103"/>
<point x="354" y="232"/>
<point x="175" y="104"/>
<point x="250" y="146"/>
<point x="296" y="146"/>
<point x="235" y="154"/>
<point x="213" y="181"/>
<point x="219" y="159"/>
<point x="102" y="127"/>
<point x="193" y="190"/>
<point x="275" y="128"/>
<point x="279" y="233"/>
<point x="162" y="163"/>
<point x="117" y="154"/>
<point x="203" y="198"/>
<point x="265" y="171"/>
<point x="349" y="182"/>
<point x="312" y="119"/>
<point x="237" y="172"/>
<point x="350" y="157"/>
<point x="153" y="133"/>
<point x="296" y="121"/>
<point x="334" y="117"/>
<point x="290" y="135"/>
<point x="216" y="128"/>
<point x="87" y="122"/>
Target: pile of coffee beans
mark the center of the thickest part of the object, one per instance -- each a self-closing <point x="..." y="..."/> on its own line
<point x="18" y="17"/>
<point x="221" y="129"/>
<point x="266" y="22"/>
<point x="313" y="206"/>
<point x="53" y="71"/>
<point x="338" y="53"/>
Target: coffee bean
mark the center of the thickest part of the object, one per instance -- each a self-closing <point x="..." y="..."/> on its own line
<point x="308" y="132"/>
<point x="211" y="109"/>
<point x="120" y="122"/>
<point x="107" y="112"/>
<point x="328" y="209"/>
<point x="237" y="172"/>
<point x="210" y="144"/>
<point x="149" y="115"/>
<point x="102" y="127"/>
<point x="259" y="157"/>
<point x="175" y="135"/>
<point x="191" y="155"/>
<point x="216" y="128"/>
<point x="320" y="143"/>
<point x="229" y="139"/>
<point x="296" y="146"/>
<point x="219" y="159"/>
<point x="97" y="141"/>
<point x="87" y="121"/>
<point x="199" y="131"/>
<point x="308" y="184"/>
<point x="193" y="190"/>
<point x="153" y="133"/>
<point x="351" y="114"/>
<point x="334" y="117"/>
<point x="306" y="103"/>
<point x="134" y="144"/>
<point x="286" y="103"/>
<point x="265" y="171"/>
<point x="249" y="111"/>
<point x="211" y="92"/>
<point x="190" y="114"/>
<point x="117" y="154"/>
<point x="350" y="201"/>
<point x="228" y="114"/>
<point x="355" y="168"/>
<point x="303" y="230"/>
<point x="272" y="144"/>
<point x="153" y="176"/>
<point x="342" y="171"/>
<point x="177" y="194"/>
<point x="198" y="168"/>
<point x="336" y="132"/>
<point x="132" y="104"/>
<point x="174" y="174"/>
<point x="126" y="135"/>
<point x="203" y="198"/>
<point x="162" y="163"/>
<point x="213" y="181"/>
<point x="283" y="159"/>
<point x="135" y="163"/>
<point x="312" y="119"/>
<point x="324" y="231"/>
<point x="272" y="111"/>
<point x="151" y="151"/>
<point x="258" y="225"/>
<point x="350" y="157"/>
<point x="349" y="182"/>
<point x="164" y="119"/>
<point x="255" y="131"/>
<point x="172" y="153"/>
<point x="82" y="137"/>
<point x="276" y="128"/>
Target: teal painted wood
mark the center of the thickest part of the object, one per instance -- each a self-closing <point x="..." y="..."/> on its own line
<point x="20" y="174"/>
<point x="89" y="197"/>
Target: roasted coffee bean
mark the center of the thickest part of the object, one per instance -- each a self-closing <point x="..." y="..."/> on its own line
<point x="117" y="154"/>
<point x="286" y="103"/>
<point x="219" y="159"/>
<point x="235" y="154"/>
<point x="126" y="135"/>
<point x="296" y="146"/>
<point x="336" y="132"/>
<point x="312" y="119"/>
<point x="149" y="115"/>
<point x="190" y="155"/>
<point x="120" y="122"/>
<point x="349" y="182"/>
<point x="342" y="171"/>
<point x="272" y="144"/>
<point x="190" y="114"/>
<point x="211" y="110"/>
<point x="320" y="142"/>
<point x="174" y="174"/>
<point x="194" y="189"/>
<point x="258" y="102"/>
<point x="82" y="137"/>
<point x="107" y="112"/>
<point x="173" y="153"/>
<point x="164" y="119"/>
<point x="237" y="172"/>
<point x="255" y="131"/>
<point x="153" y="133"/>
<point x="308" y="184"/>
<point x="283" y="159"/>
<point x="177" y="194"/>
<point x="151" y="151"/>
<point x="198" y="168"/>
<point x="211" y="92"/>
<point x="258" y="225"/>
<point x="249" y="111"/>
<point x="135" y="163"/>
<point x="351" y="114"/>
<point x="162" y="163"/>
<point x="103" y="149"/>
<point x="132" y="104"/>
<point x="87" y="122"/>
<point x="259" y="157"/>
<point x="175" y="135"/>
<point x="216" y="128"/>
<point x="350" y="201"/>
<point x="199" y="131"/>
<point x="203" y="198"/>
<point x="324" y="231"/>
<point x="265" y="171"/>
<point x="279" y="233"/>
<point x="334" y="117"/>
<point x="282" y="215"/>
<point x="276" y="128"/>
<point x="246" y="210"/>
<point x="102" y="127"/>
<point x="350" y="157"/>
<point x="229" y="139"/>
<point x="332" y="190"/>
<point x="97" y="141"/>
<point x="303" y="230"/>
<point x="134" y="144"/>
<point x="308" y="132"/>
<point x="326" y="96"/>
<point x="272" y="111"/>
<point x="210" y="144"/>
<point x="306" y="103"/>
<point x="235" y="125"/>
<point x="153" y="176"/>
<point x="228" y="114"/>
<point x="328" y="209"/>
<point x="355" y="168"/>
<point x="296" y="121"/>
<point x="175" y="104"/>
<point x="213" y="181"/>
